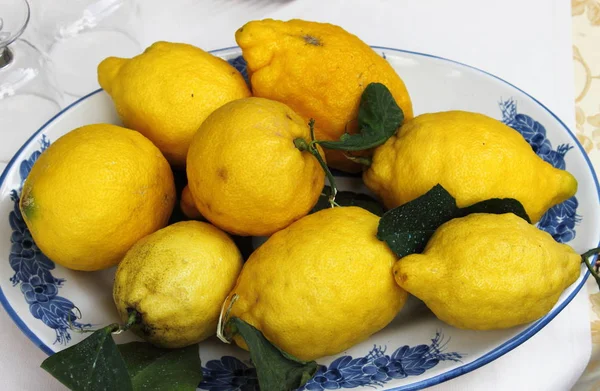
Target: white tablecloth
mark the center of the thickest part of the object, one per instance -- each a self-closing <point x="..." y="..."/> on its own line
<point x="525" y="42"/>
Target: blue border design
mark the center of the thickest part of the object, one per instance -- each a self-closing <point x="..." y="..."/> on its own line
<point x="33" y="269"/>
<point x="490" y="356"/>
<point x="560" y="220"/>
<point x="375" y="369"/>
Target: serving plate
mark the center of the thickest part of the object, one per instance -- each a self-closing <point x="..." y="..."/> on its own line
<point x="51" y="304"/>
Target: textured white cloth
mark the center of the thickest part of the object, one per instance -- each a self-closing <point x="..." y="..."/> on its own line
<point x="527" y="43"/>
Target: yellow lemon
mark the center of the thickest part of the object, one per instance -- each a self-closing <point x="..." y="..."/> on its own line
<point x="167" y="92"/>
<point x="245" y="173"/>
<point x="187" y="204"/>
<point x="473" y="156"/>
<point x="320" y="71"/>
<point x="487" y="271"/>
<point x="95" y="192"/>
<point x="176" y="280"/>
<point x="320" y="285"/>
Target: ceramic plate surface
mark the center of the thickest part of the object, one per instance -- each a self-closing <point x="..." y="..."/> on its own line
<point x="415" y="351"/>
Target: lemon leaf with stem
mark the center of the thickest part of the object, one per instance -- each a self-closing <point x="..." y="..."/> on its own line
<point x="379" y="117"/>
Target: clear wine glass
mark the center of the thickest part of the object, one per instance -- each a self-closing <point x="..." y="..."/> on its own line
<point x="28" y="92"/>
<point x="78" y="34"/>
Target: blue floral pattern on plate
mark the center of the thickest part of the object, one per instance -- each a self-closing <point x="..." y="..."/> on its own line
<point x="33" y="269"/>
<point x="373" y="370"/>
<point x="561" y="219"/>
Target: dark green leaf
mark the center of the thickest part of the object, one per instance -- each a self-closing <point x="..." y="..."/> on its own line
<point x="154" y="369"/>
<point x="379" y="117"/>
<point x="275" y="369"/>
<point x="407" y="228"/>
<point x="498" y="206"/>
<point x="349" y="198"/>
<point x="93" y="364"/>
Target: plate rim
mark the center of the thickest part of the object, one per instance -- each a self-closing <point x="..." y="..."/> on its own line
<point x="488" y="357"/>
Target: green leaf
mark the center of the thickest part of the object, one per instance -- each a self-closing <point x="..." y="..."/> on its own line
<point x="498" y="206"/>
<point x="379" y="117"/>
<point x="276" y="370"/>
<point x="154" y="369"/>
<point x="349" y="198"/>
<point x="407" y="228"/>
<point x="93" y="364"/>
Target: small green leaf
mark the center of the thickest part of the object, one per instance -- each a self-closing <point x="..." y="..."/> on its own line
<point x="379" y="117"/>
<point x="498" y="206"/>
<point x="154" y="369"/>
<point x="349" y="198"/>
<point x="276" y="369"/>
<point x="93" y="364"/>
<point x="407" y="228"/>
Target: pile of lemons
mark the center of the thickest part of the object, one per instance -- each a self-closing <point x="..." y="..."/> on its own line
<point x="102" y="195"/>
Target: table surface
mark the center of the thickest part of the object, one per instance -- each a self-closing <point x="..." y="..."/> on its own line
<point x="527" y="43"/>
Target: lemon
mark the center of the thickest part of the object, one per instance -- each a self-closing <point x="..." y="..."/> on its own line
<point x="95" y="192"/>
<point x="487" y="271"/>
<point x="320" y="71"/>
<point x="167" y="92"/>
<point x="473" y="156"/>
<point x="244" y="171"/>
<point x="176" y="279"/>
<point x="320" y="285"/>
<point x="187" y="204"/>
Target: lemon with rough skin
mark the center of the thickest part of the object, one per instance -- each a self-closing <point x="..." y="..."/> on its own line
<point x="320" y="71"/>
<point x="176" y="280"/>
<point x="246" y="174"/>
<point x="473" y="156"/>
<point x="487" y="271"/>
<point x="321" y="285"/>
<point x="166" y="92"/>
<point x="95" y="192"/>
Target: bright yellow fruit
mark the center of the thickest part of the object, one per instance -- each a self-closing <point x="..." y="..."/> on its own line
<point x="95" y="192"/>
<point x="487" y="271"/>
<point x="320" y="71"/>
<point x="176" y="279"/>
<point x="245" y="173"/>
<point x="473" y="156"/>
<point x="321" y="285"/>
<point x="167" y="92"/>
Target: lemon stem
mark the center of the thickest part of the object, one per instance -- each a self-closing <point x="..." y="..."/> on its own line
<point x="302" y="145"/>
<point x="224" y="317"/>
<point x="592" y="268"/>
<point x="134" y="318"/>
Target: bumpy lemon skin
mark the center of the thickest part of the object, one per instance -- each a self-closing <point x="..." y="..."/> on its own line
<point x="176" y="279"/>
<point x="166" y="92"/>
<point x="320" y="71"/>
<point x="471" y="155"/>
<point x="93" y="193"/>
<point x="244" y="171"/>
<point x="321" y="285"/>
<point x="485" y="271"/>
